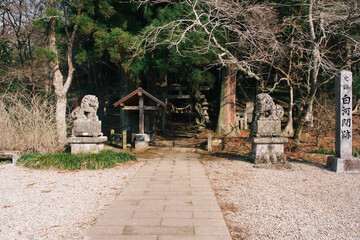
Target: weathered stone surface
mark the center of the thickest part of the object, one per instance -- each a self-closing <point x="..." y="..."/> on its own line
<point x="270" y="140"/>
<point x="268" y="150"/>
<point x="343" y="161"/>
<point x="84" y="140"/>
<point x="141" y="144"/>
<point x="87" y="127"/>
<point x="267" y="109"/>
<point x="267" y="140"/>
<point x="87" y="144"/>
<point x="343" y="115"/>
<point x="342" y="165"/>
<point x="86" y="133"/>
<point x="267" y="128"/>
<point x="142" y="137"/>
<point x="86" y="120"/>
<point x="86" y="148"/>
<point x="142" y="141"/>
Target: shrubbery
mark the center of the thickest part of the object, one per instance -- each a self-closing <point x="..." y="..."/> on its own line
<point x="68" y="161"/>
<point x="27" y="124"/>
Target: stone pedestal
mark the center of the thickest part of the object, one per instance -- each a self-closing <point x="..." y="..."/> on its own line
<point x="142" y="141"/>
<point x="267" y="128"/>
<point x="141" y="145"/>
<point x="86" y="144"/>
<point x="268" y="150"/>
<point x="343" y="165"/>
<point x="87" y="127"/>
<point x="266" y="137"/>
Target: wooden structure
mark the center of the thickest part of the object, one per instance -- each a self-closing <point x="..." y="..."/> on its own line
<point x="136" y="101"/>
<point x="116" y="138"/>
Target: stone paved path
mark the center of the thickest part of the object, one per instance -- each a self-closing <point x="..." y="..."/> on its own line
<point x="170" y="198"/>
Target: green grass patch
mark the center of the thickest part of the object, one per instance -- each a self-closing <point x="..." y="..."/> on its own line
<point x="68" y="161"/>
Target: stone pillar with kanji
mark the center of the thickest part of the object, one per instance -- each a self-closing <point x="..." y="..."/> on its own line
<point x="343" y="161"/>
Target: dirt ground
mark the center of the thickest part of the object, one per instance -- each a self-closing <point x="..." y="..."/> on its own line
<point x="305" y="150"/>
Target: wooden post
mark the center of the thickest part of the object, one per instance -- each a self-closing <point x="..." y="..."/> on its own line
<point x="246" y="127"/>
<point x="124" y="139"/>
<point x="163" y="113"/>
<point x="112" y="131"/>
<point x="209" y="142"/>
<point x="141" y="113"/>
<point x="163" y="120"/>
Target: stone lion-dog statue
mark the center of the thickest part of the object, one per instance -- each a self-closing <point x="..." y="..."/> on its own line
<point x="267" y="109"/>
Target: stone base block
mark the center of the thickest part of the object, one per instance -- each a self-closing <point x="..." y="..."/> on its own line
<point x="268" y="150"/>
<point x="342" y="165"/>
<point x="86" y="148"/>
<point x="141" y="144"/>
<point x="87" y="128"/>
<point x="86" y="144"/>
<point x="267" y="128"/>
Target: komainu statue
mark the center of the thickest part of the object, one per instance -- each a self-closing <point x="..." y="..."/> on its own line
<point x="268" y="117"/>
<point x="86" y="122"/>
<point x="266" y="137"/>
<point x="88" y="108"/>
<point x="267" y="109"/>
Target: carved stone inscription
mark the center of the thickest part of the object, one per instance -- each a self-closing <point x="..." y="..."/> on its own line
<point x="343" y="161"/>
<point x="343" y="125"/>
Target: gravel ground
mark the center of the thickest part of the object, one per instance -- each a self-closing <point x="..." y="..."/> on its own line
<point x="50" y="204"/>
<point x="304" y="202"/>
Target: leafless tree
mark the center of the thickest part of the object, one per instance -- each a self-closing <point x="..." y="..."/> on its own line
<point x="329" y="45"/>
<point x="247" y="24"/>
<point x="324" y="117"/>
<point x="17" y="24"/>
<point x="247" y="34"/>
<point x="19" y="38"/>
<point x="242" y="34"/>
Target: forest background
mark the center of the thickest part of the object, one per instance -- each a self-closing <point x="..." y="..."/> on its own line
<point x="52" y="53"/>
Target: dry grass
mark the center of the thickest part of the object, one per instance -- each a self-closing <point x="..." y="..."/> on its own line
<point x="27" y="124"/>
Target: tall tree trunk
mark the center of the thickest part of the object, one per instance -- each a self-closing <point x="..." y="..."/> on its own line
<point x="289" y="129"/>
<point x="61" y="86"/>
<point x="302" y="120"/>
<point x="314" y="68"/>
<point x="58" y="80"/>
<point x="61" y="102"/>
<point x="226" y="122"/>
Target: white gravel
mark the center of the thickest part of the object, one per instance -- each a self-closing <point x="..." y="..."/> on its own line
<point x="304" y="202"/>
<point x="51" y="204"/>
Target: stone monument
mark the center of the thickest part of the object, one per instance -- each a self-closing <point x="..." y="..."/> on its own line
<point x="343" y="161"/>
<point x="266" y="137"/>
<point x="86" y="133"/>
